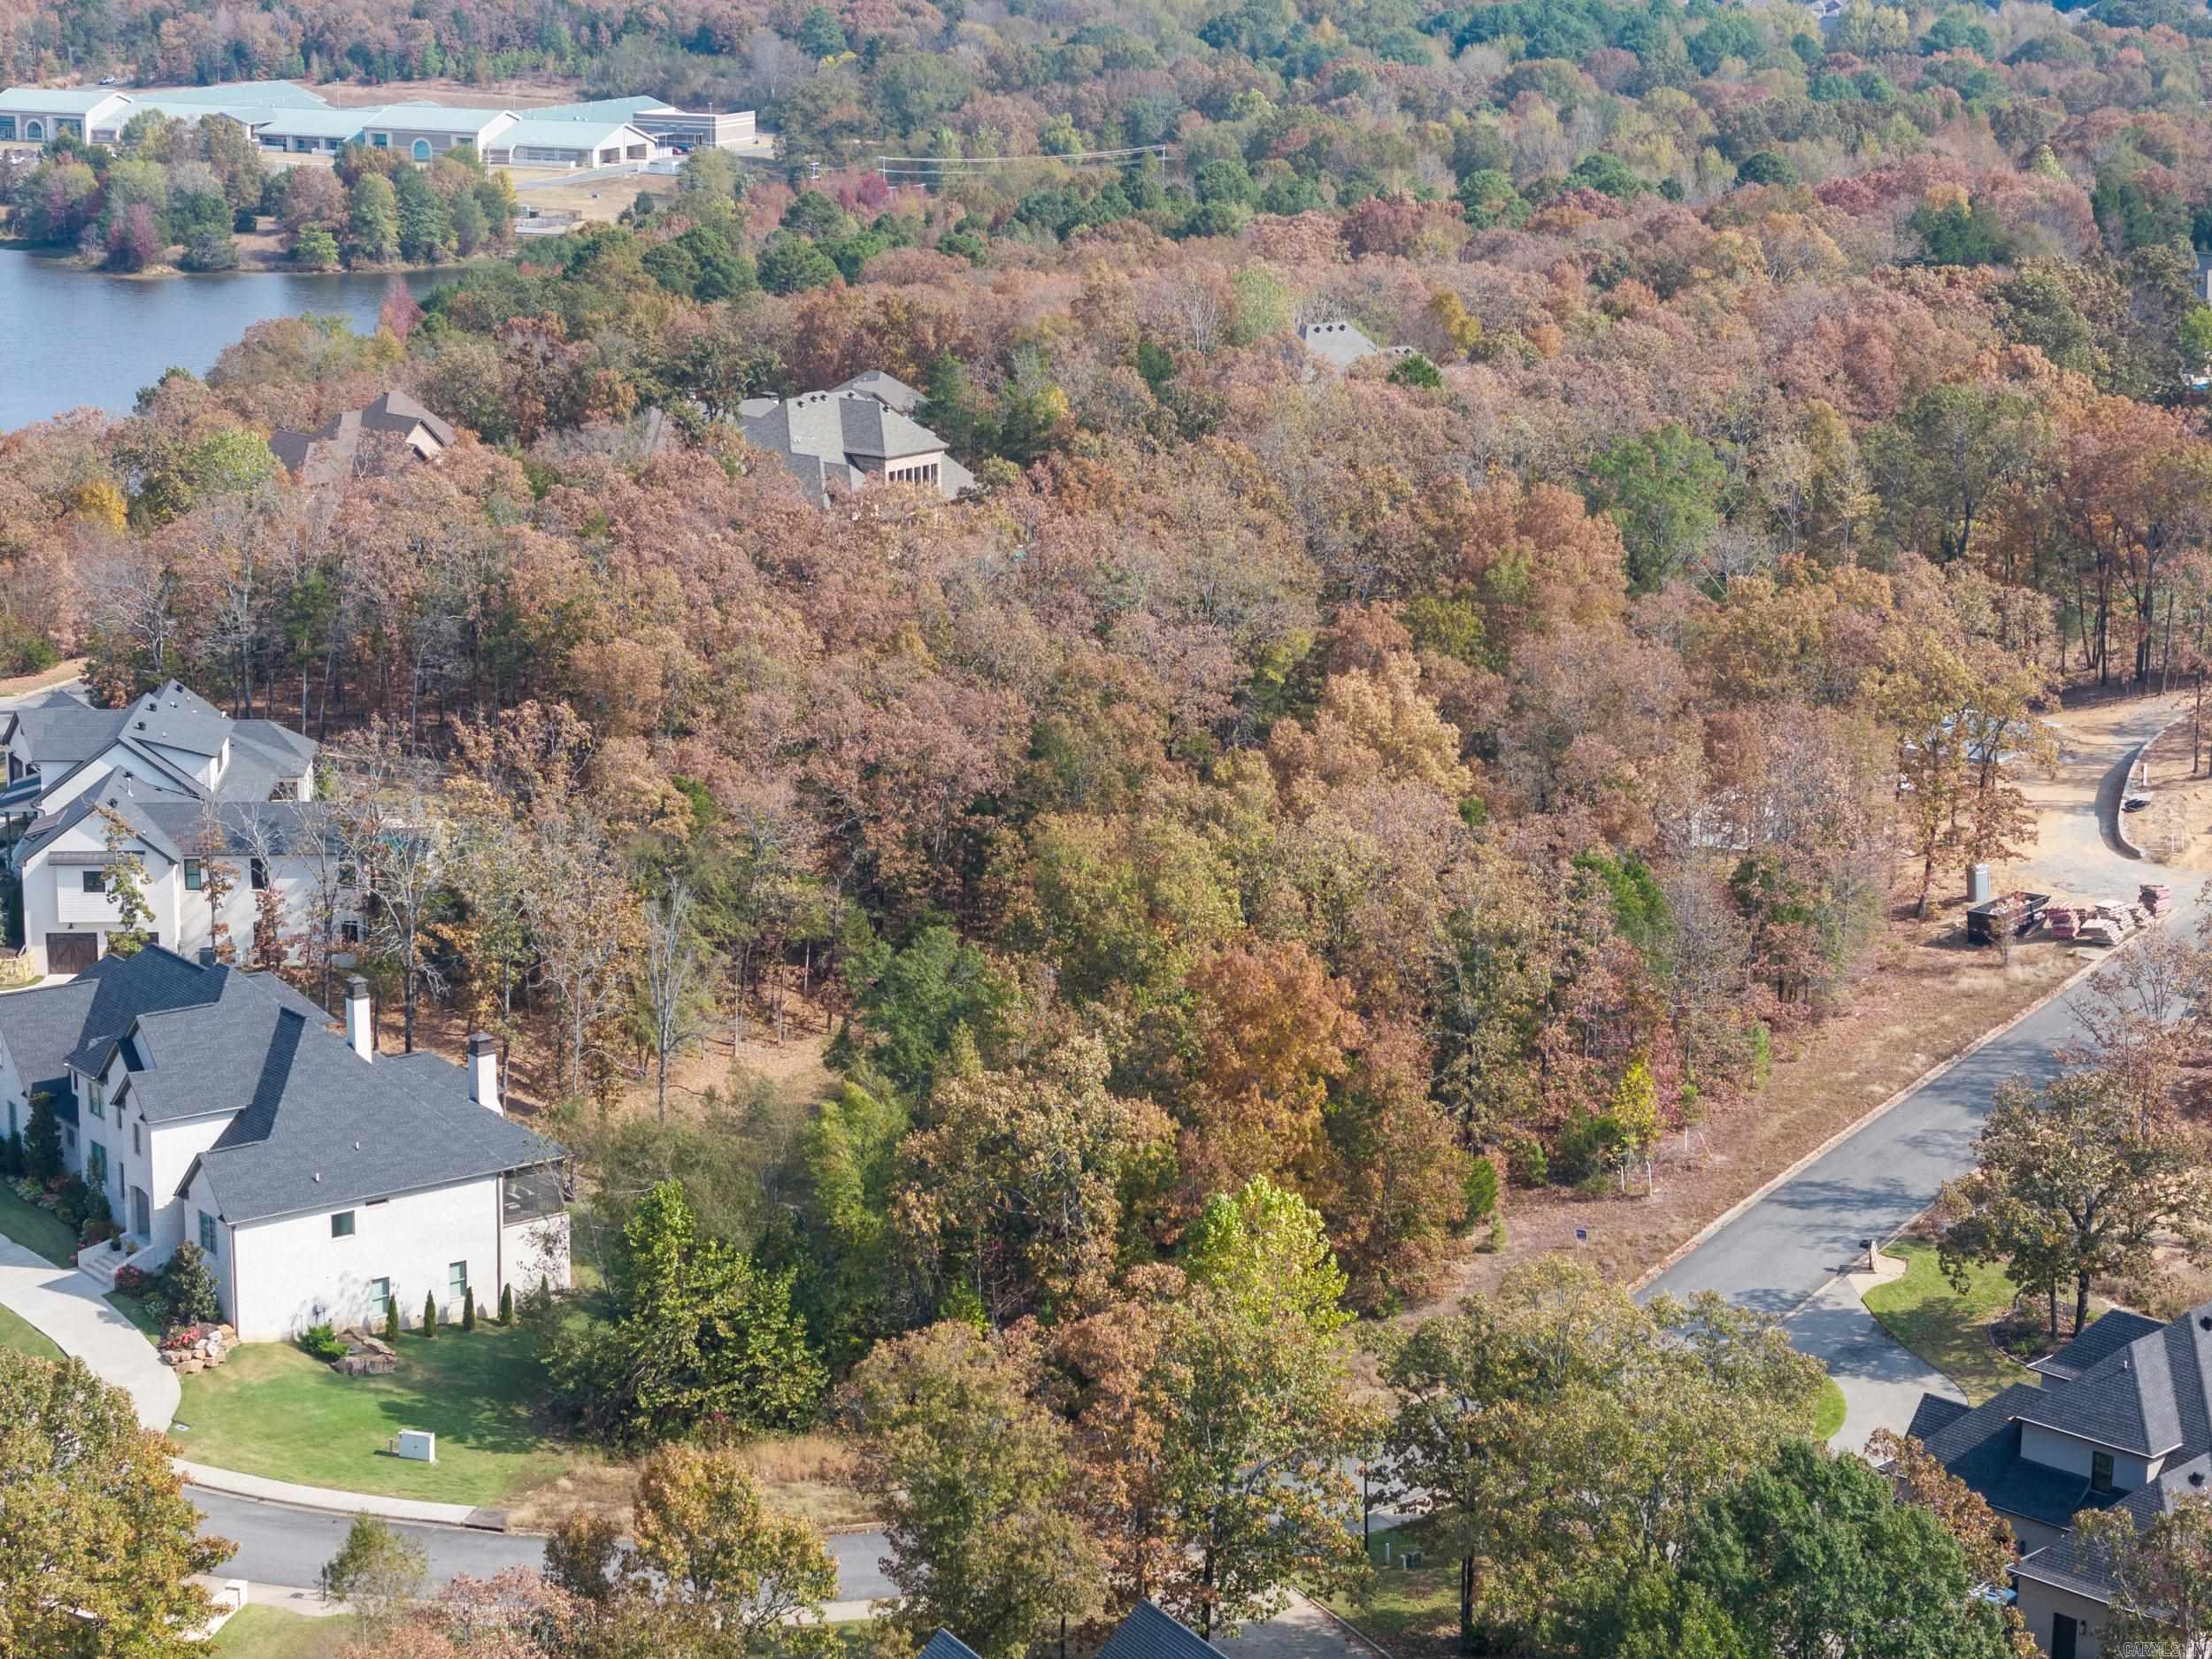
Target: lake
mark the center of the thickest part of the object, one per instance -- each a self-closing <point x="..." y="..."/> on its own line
<point x="70" y="337"/>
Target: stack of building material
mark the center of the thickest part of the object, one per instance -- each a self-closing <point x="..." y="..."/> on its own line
<point x="2064" y="920"/>
<point x="2157" y="897"/>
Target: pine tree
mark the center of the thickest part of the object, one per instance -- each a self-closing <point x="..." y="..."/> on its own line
<point x="507" y="1304"/>
<point x="41" y="1145"/>
<point x="430" y="1313"/>
<point x="468" y="1313"/>
<point x="391" y="1318"/>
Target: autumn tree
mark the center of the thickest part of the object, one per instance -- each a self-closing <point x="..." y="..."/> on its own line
<point x="971" y="1473"/>
<point x="99" y="1547"/>
<point x="2072" y="1183"/>
<point x="2160" y="1568"/>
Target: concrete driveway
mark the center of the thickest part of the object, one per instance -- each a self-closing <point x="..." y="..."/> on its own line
<point x="70" y="1309"/>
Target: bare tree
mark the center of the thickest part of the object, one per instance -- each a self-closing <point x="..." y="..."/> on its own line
<point x="669" y="977"/>
<point x="393" y="829"/>
<point x="583" y="917"/>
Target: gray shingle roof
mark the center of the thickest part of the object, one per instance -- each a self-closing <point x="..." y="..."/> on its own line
<point x="2070" y="1565"/>
<point x="842" y="435"/>
<point x="1933" y="1414"/>
<point x="1982" y="1448"/>
<point x="64" y="730"/>
<point x="2130" y="1400"/>
<point x="888" y="389"/>
<point x="1342" y="344"/>
<point x="945" y="1645"/>
<point x="2104" y="1338"/>
<point x="1149" y="1634"/>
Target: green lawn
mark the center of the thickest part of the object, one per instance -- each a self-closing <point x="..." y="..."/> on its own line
<point x="1409" y="1613"/>
<point x="1950" y="1331"/>
<point x="19" y="1335"/>
<point x="268" y="1632"/>
<point x="273" y="1410"/>
<point x="42" y="1233"/>
<point x="1828" y="1416"/>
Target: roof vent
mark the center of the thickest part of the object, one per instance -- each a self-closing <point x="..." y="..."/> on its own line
<point x="318" y="1175"/>
<point x="357" y="1145"/>
<point x="2196" y="1476"/>
<point x="2204" y="1322"/>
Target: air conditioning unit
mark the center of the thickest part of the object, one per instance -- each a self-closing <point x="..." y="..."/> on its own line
<point x="419" y="1444"/>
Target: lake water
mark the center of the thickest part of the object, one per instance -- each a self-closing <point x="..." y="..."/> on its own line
<point x="70" y="337"/>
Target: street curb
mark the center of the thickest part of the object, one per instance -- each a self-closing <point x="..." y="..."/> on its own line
<point x="2119" y="799"/>
<point x="333" y="1500"/>
<point x="1682" y="1251"/>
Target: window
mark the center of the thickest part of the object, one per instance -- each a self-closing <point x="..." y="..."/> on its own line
<point x="422" y="149"/>
<point x="69" y="1137"/>
<point x="95" y="1164"/>
<point x="457" y="1282"/>
<point x="349" y="933"/>
<point x="138" y="1147"/>
<point x="379" y="1293"/>
<point x="257" y="874"/>
<point x="2100" y="1471"/>
<point x="345" y="875"/>
<point x="341" y="1224"/>
<point x="380" y="141"/>
<point x="195" y="876"/>
<point x="96" y="1097"/>
<point x="207" y="1233"/>
<point x="96" y="881"/>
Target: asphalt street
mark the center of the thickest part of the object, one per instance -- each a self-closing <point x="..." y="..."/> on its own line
<point x="281" y="1545"/>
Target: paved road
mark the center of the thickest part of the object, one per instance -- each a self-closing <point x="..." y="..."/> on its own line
<point x="284" y="1546"/>
<point x="1784" y="1251"/>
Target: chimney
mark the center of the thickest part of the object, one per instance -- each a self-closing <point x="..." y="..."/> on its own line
<point x="484" y="1072"/>
<point x="207" y="955"/>
<point x="360" y="1030"/>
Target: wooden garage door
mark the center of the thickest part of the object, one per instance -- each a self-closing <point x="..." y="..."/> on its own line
<point x="70" y="953"/>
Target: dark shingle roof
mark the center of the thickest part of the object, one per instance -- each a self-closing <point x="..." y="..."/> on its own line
<point x="2129" y="1401"/>
<point x="1933" y="1414"/>
<point x="945" y="1645"/>
<point x="2070" y="1565"/>
<point x="2104" y="1338"/>
<point x="1149" y="1634"/>
<point x="888" y="389"/>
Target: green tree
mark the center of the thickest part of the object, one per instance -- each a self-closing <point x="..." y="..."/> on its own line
<point x="372" y="221"/>
<point x="725" y="1570"/>
<point x="41" y="1139"/>
<point x="1556" y="1435"/>
<point x="971" y="1473"/>
<point x="1250" y="1386"/>
<point x="124" y="877"/>
<point x="914" y="1001"/>
<point x="316" y="248"/>
<point x="2073" y="1183"/>
<point x="1663" y="490"/>
<point x="377" y="1571"/>
<point x="792" y="264"/>
<point x="426" y="229"/>
<point x="703" y="1334"/>
<point x="98" y="1544"/>
<point x="1814" y="1553"/>
<point x="186" y="1287"/>
<point x="429" y="1313"/>
<point x="1491" y="201"/>
<point x="819" y="33"/>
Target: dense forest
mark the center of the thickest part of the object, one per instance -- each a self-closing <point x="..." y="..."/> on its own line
<point x="1277" y="812"/>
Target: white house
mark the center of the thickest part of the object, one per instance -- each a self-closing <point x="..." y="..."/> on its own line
<point x="532" y="141"/>
<point x="322" y="1180"/>
<point x="190" y="784"/>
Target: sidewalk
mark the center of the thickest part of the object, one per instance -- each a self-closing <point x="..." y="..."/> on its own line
<point x="68" y="1306"/>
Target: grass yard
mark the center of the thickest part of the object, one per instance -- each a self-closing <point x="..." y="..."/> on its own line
<point x="24" y="1337"/>
<point x="268" y="1632"/>
<point x="39" y="1230"/>
<point x="1828" y="1415"/>
<point x="1410" y="1613"/>
<point x="273" y="1410"/>
<point x="1950" y="1331"/>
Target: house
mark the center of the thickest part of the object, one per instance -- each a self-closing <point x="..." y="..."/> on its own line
<point x="888" y="389"/>
<point x="2122" y="1420"/>
<point x="851" y="440"/>
<point x="328" y="454"/>
<point x="33" y="115"/>
<point x="1145" y="1634"/>
<point x="322" y="1180"/>
<point x="1338" y="345"/>
<point x="188" y="782"/>
<point x="534" y="141"/>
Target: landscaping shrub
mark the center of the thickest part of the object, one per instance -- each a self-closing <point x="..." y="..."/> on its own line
<point x="322" y="1341"/>
<point x="11" y="1156"/>
<point x="391" y="1318"/>
<point x="1526" y="1162"/>
<point x="42" y="1143"/>
<point x="507" y="1304"/>
<point x="186" y="1292"/>
<point x="468" y="1313"/>
<point x="134" y="1281"/>
<point x="430" y="1313"/>
<point x="1481" y="1189"/>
